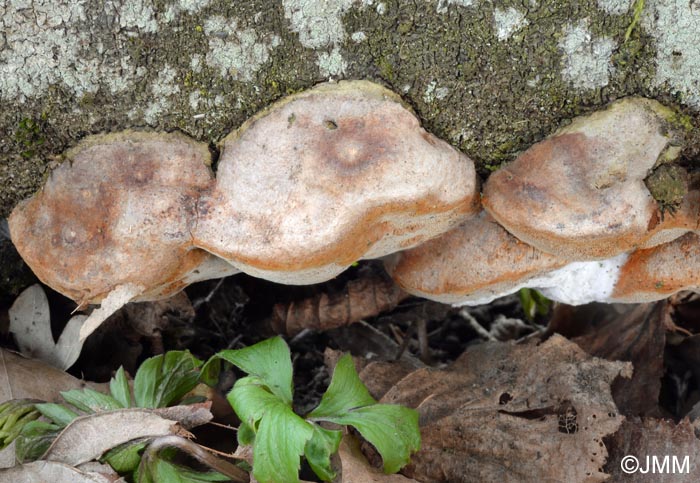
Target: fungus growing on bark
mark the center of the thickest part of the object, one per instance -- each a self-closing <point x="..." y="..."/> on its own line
<point x="580" y="194"/>
<point x="659" y="272"/>
<point x="328" y="176"/>
<point x="472" y="264"/>
<point x="116" y="218"/>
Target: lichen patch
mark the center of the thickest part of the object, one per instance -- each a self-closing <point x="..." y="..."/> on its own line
<point x="163" y="89"/>
<point x="236" y="52"/>
<point x="508" y="21"/>
<point x="586" y="59"/>
<point x="615" y="7"/>
<point x="676" y="26"/>
<point x="442" y="5"/>
<point x="45" y="44"/>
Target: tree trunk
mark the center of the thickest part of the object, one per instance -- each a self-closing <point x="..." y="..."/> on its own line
<point x="490" y="77"/>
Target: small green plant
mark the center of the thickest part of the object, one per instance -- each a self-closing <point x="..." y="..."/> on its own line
<point x="161" y="381"/>
<point x="533" y="303"/>
<point x="263" y="402"/>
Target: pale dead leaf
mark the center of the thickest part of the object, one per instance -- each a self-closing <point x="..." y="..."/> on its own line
<point x="50" y="471"/>
<point x="30" y="323"/>
<point x="8" y="456"/>
<point x="189" y="416"/>
<point x="115" y="300"/>
<point x="101" y="468"/>
<point x="22" y="378"/>
<point x="510" y="413"/>
<point x="86" y="438"/>
<point x="642" y="438"/>
<point x="356" y="469"/>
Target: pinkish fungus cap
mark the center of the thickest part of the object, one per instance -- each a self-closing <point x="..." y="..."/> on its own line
<point x="659" y="272"/>
<point x="328" y="176"/>
<point x="580" y="194"/>
<point x="117" y="213"/>
<point x="470" y="265"/>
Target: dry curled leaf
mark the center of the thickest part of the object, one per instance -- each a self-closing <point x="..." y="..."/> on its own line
<point x="637" y="336"/>
<point x="30" y="322"/>
<point x="505" y="412"/>
<point x="86" y="438"/>
<point x="45" y="471"/>
<point x="359" y="299"/>
<point x="647" y="442"/>
<point x="356" y="469"/>
<point x="22" y="378"/>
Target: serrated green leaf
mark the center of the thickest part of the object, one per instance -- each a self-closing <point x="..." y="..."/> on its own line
<point x="269" y="361"/>
<point x="392" y="430"/>
<point x="126" y="457"/>
<point x="90" y="401"/>
<point x="57" y="413"/>
<point x="119" y="387"/>
<point x="345" y="392"/>
<point x="34" y="439"/>
<point x="164" y="379"/>
<point x="319" y="449"/>
<point x="246" y="435"/>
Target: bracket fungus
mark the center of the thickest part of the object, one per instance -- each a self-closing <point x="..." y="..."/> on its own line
<point x="329" y="176"/>
<point x="472" y="264"/>
<point x="659" y="272"/>
<point x="580" y="194"/>
<point x="114" y="220"/>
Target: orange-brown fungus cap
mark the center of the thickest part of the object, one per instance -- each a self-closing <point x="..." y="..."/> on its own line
<point x="471" y="264"/>
<point x="656" y="273"/>
<point x="580" y="194"/>
<point x="117" y="212"/>
<point x="328" y="176"/>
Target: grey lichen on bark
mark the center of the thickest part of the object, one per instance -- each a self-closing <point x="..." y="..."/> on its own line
<point x="490" y="77"/>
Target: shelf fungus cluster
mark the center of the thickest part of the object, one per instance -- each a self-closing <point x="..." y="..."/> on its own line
<point x="344" y="172"/>
<point x="572" y="216"/>
<point x="304" y="189"/>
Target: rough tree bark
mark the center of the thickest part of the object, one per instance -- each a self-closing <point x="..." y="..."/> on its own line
<point x="489" y="76"/>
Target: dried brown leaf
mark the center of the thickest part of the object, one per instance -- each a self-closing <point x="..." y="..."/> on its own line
<point x="361" y="298"/>
<point x="511" y="413"/>
<point x="356" y="469"/>
<point x="637" y="336"/>
<point x="86" y="438"/>
<point x="30" y="323"/>
<point x="649" y="440"/>
<point x="22" y="378"/>
<point x="116" y="299"/>
<point x="45" y="471"/>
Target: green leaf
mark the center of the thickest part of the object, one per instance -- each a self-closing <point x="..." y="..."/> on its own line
<point x="119" y="387"/>
<point x="14" y="416"/>
<point x="319" y="449"/>
<point x="345" y="392"/>
<point x="164" y="379"/>
<point x="280" y="434"/>
<point x="57" y="413"/>
<point x="392" y="429"/>
<point x="90" y="401"/>
<point x="246" y="435"/>
<point x="34" y="439"/>
<point x="269" y="361"/>
<point x="279" y="444"/>
<point x="126" y="457"/>
<point x="159" y="470"/>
